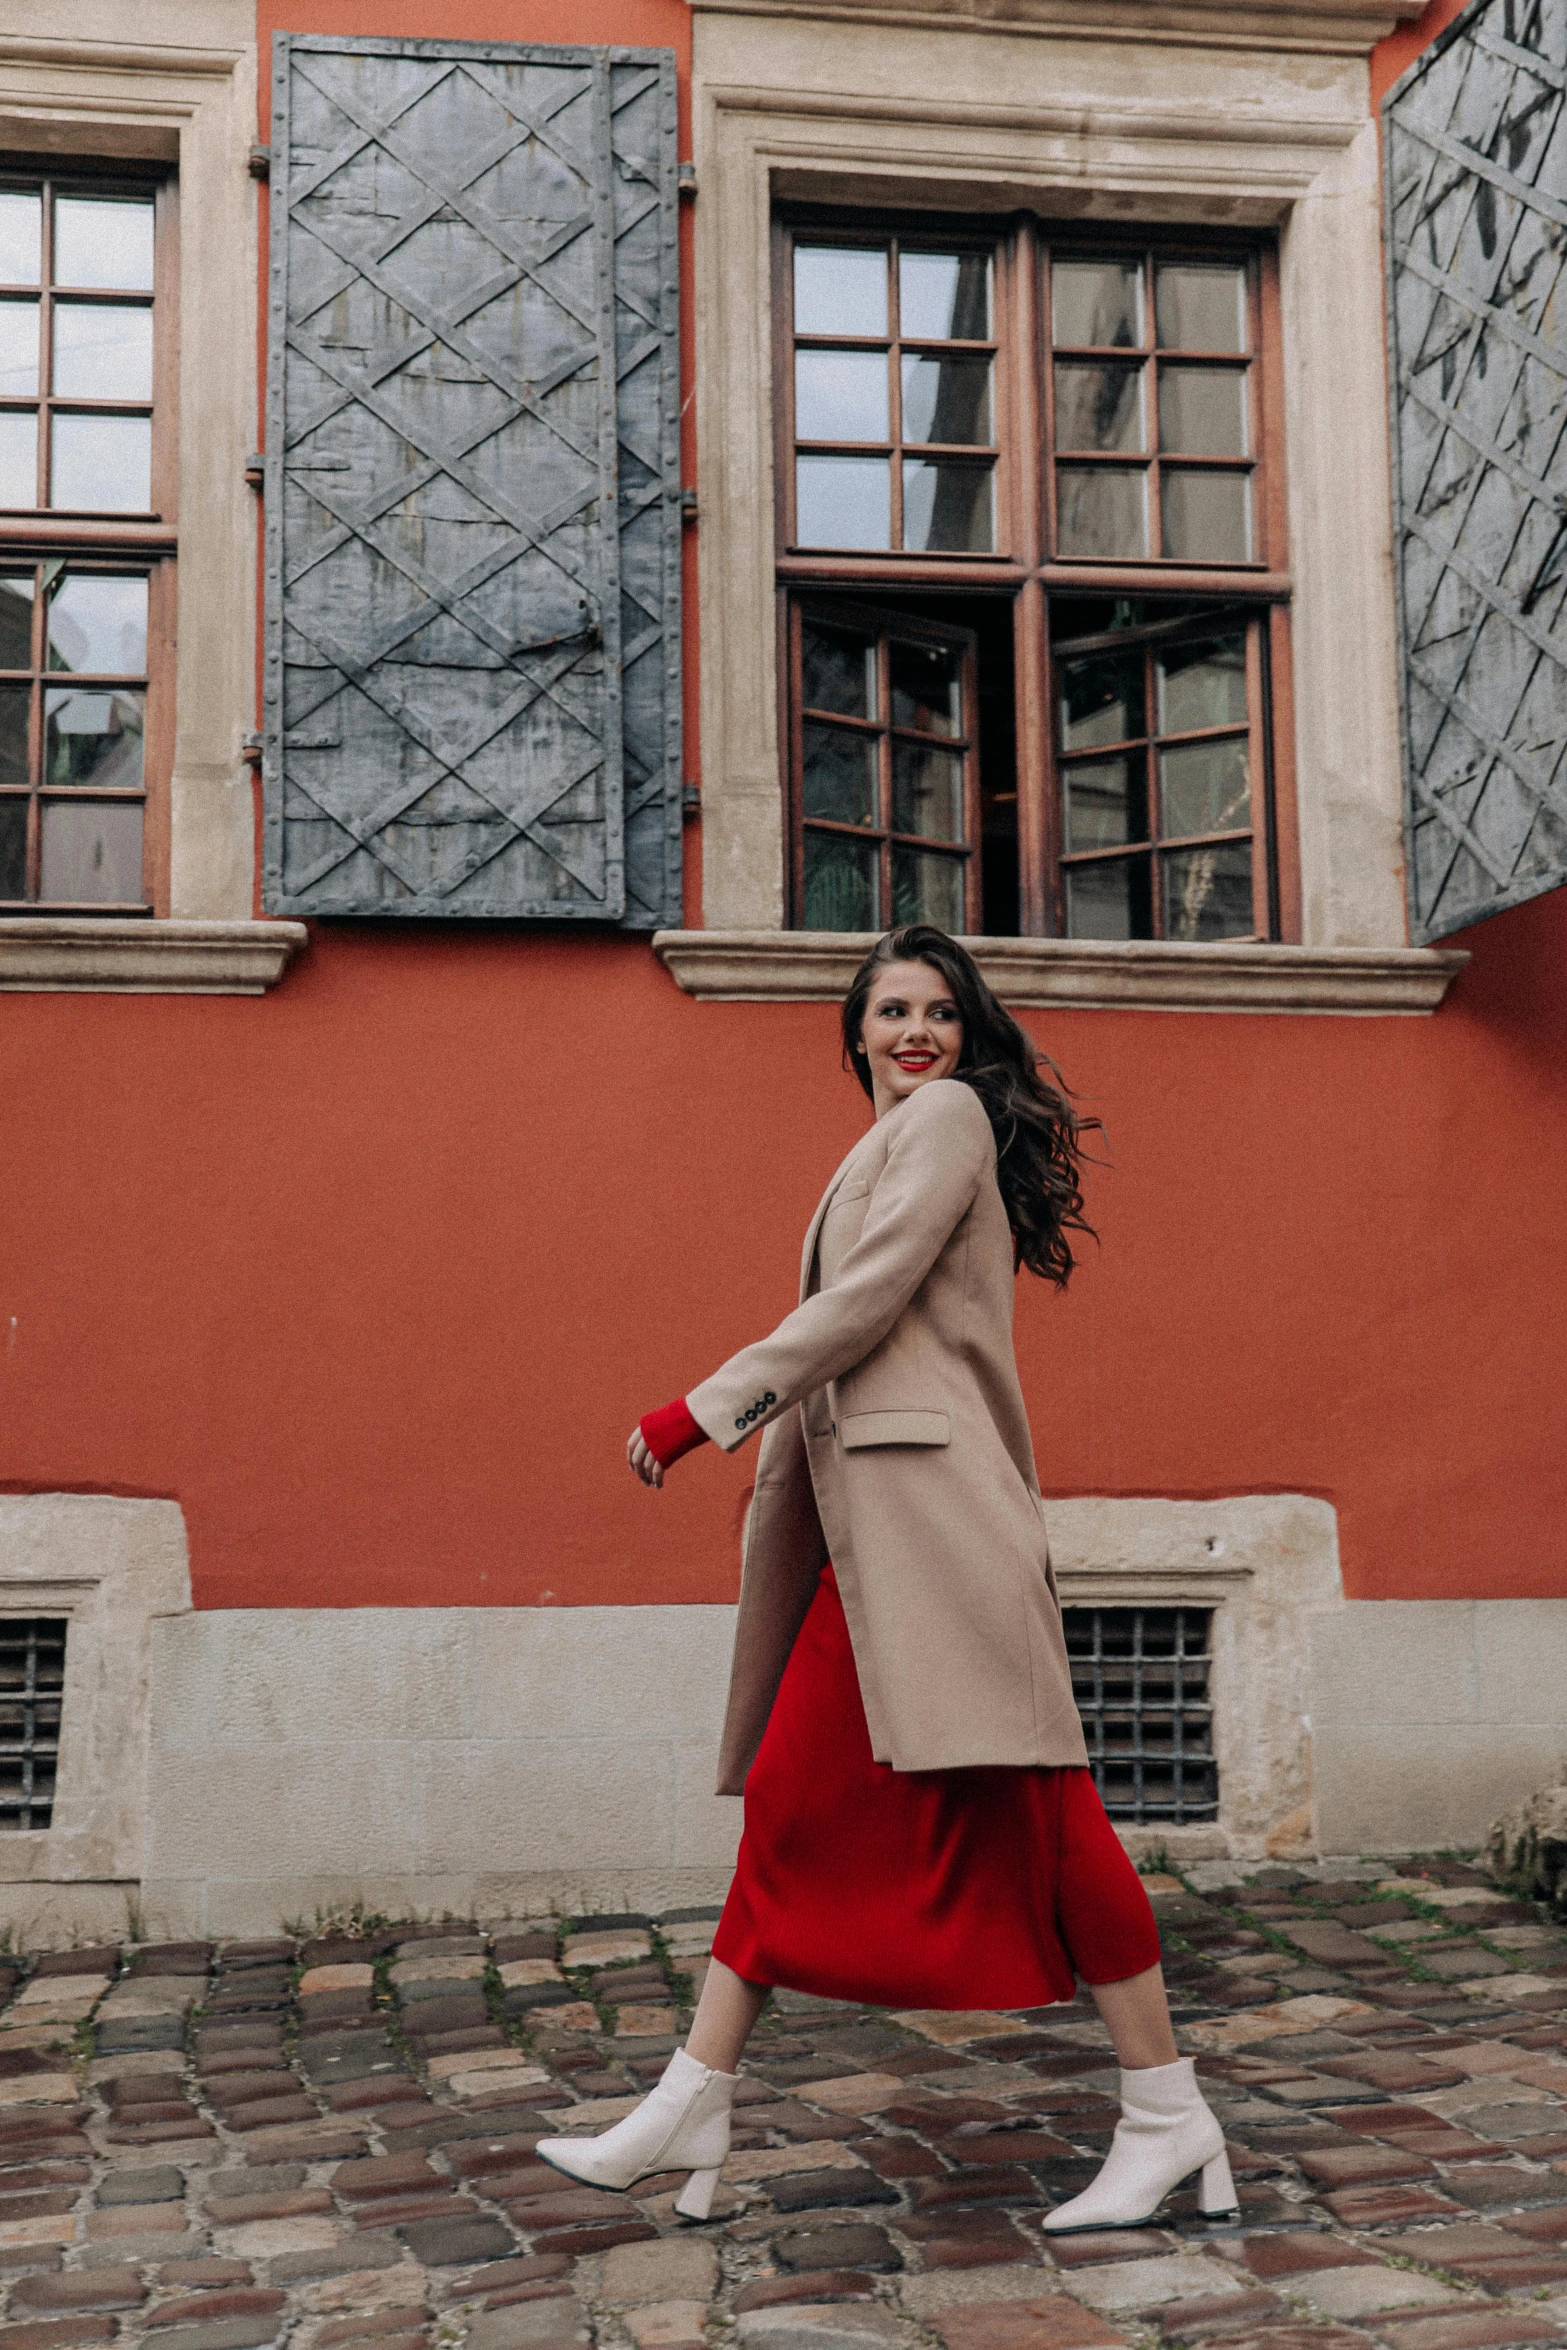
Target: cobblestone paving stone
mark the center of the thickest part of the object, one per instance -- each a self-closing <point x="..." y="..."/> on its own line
<point x="329" y="2142"/>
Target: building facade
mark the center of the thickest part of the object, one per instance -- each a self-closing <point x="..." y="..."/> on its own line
<point x="529" y="534"/>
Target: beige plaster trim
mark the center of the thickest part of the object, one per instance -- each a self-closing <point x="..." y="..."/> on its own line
<point x="1268" y="1566"/>
<point x="111" y="1567"/>
<point x="126" y="957"/>
<point x="816" y="966"/>
<point x="177" y="79"/>
<point x="1345" y="27"/>
<point x="1433" y="1717"/>
<point x="860" y="112"/>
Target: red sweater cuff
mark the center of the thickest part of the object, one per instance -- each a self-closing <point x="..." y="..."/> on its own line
<point x="670" y="1432"/>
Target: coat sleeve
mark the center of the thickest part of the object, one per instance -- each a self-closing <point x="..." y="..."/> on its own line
<point x="940" y="1150"/>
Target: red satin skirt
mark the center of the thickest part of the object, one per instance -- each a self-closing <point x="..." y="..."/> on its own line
<point x="984" y="1888"/>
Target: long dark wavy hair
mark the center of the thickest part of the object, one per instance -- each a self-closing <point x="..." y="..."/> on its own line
<point x="1039" y="1153"/>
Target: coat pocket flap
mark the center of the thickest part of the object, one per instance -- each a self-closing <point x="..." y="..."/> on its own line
<point x="867" y="1428"/>
<point x="853" y="1187"/>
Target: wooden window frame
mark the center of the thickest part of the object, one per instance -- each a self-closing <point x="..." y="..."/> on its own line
<point x="886" y="624"/>
<point x="143" y="544"/>
<point x="1024" y="565"/>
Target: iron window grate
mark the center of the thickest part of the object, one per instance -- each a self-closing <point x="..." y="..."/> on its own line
<point x="1140" y="1678"/>
<point x="32" y="1684"/>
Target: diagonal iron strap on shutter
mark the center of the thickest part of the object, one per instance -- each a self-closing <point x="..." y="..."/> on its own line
<point x="1475" y="157"/>
<point x="472" y="547"/>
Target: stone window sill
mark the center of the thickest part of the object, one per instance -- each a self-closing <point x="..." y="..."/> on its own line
<point x="815" y="966"/>
<point x="78" y="954"/>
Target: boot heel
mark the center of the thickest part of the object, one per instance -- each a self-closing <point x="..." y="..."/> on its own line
<point x="1216" y="2192"/>
<point x="695" y="2199"/>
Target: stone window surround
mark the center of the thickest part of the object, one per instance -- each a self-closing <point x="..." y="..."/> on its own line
<point x="846" y="103"/>
<point x="110" y="1567"/>
<point x="1268" y="1566"/>
<point x="191" y="101"/>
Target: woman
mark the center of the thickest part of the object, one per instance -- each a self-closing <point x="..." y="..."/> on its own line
<point x="921" y="1828"/>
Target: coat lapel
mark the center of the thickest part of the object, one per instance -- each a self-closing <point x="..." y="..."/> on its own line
<point x="808" y="1252"/>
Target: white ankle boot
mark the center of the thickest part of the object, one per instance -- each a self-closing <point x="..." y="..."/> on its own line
<point x="1165" y="2132"/>
<point x="683" y="2124"/>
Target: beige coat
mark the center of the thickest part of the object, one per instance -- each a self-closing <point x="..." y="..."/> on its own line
<point x="897" y="1445"/>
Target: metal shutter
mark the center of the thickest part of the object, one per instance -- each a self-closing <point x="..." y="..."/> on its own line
<point x="1475" y="161"/>
<point x="471" y="690"/>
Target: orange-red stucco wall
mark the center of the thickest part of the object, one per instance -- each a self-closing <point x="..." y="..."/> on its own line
<point x="374" y="1273"/>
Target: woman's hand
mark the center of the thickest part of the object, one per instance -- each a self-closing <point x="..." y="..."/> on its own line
<point x="642" y="1460"/>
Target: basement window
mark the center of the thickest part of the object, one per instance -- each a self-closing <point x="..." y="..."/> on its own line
<point x="1140" y="1679"/>
<point x="32" y="1686"/>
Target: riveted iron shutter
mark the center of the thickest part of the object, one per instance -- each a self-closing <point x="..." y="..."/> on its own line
<point x="647" y="363"/>
<point x="1475" y="160"/>
<point x="472" y="552"/>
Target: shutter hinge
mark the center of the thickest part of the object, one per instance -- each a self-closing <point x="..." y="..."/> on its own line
<point x="260" y="163"/>
<point x="690" y="799"/>
<point x="688" y="505"/>
<point x="250" y="748"/>
<point x="256" y="469"/>
<point x="685" y="179"/>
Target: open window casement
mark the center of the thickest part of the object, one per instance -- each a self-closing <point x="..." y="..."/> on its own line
<point x="472" y="684"/>
<point x="1475" y="157"/>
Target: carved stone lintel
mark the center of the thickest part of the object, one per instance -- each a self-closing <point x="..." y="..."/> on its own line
<point x="779" y="966"/>
<point x="124" y="956"/>
<point x="1353" y="26"/>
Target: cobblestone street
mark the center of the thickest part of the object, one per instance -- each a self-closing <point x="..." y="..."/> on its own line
<point x="331" y="2141"/>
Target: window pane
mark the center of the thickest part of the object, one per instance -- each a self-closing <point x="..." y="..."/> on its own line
<point x="18" y="460"/>
<point x="840" y="883"/>
<point x="91" y="853"/>
<point x="99" y="624"/>
<point x="927" y="889"/>
<point x="1201" y="306"/>
<point x="927" y="792"/>
<point x="1106" y="803"/>
<point x="1207" y="893"/>
<point x="840" y="396"/>
<point x="1207" y="516"/>
<point x="839" y="774"/>
<point x="1101" y="700"/>
<point x="947" y="507"/>
<point x="927" y="688"/>
<point x="1205" y="787"/>
<point x="13" y="734"/>
<point x="1202" y="685"/>
<point x="102" y="464"/>
<point x="944" y="297"/>
<point x="843" y="502"/>
<point x="1099" y="407"/>
<point x="18" y="349"/>
<point x="1102" y="511"/>
<point x="1097" y="304"/>
<point x="837" y="670"/>
<point x="946" y="400"/>
<point x="13" y="848"/>
<point x="102" y="351"/>
<point x="16" y="620"/>
<point x="21" y="239"/>
<point x="93" y="738"/>
<point x="1202" y="410"/>
<point x="1108" y="901"/>
<point x="840" y="290"/>
<point x="103" y="241"/>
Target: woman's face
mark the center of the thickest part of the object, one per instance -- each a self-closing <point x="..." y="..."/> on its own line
<point x="912" y="1032"/>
